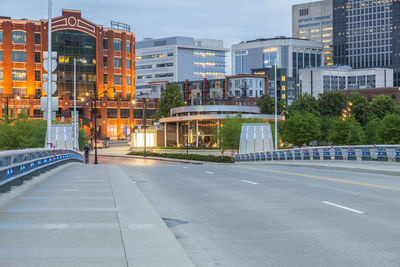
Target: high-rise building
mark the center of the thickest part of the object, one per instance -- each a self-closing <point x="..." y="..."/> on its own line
<point x="176" y="59"/>
<point x="366" y="34"/>
<point x="287" y="54"/>
<point x="314" y="21"/>
<point x="105" y="66"/>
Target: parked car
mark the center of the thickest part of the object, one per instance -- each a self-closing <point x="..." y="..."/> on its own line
<point x="99" y="144"/>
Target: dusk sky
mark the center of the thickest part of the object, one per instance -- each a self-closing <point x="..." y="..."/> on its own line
<point x="229" y="20"/>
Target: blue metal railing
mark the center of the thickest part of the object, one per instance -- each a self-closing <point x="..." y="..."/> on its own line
<point x="19" y="165"/>
<point x="364" y="153"/>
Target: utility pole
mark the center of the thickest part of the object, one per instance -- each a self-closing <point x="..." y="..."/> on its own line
<point x="276" y="110"/>
<point x="50" y="57"/>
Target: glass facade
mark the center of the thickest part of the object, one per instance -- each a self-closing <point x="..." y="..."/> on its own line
<point x="71" y="44"/>
<point x="270" y="59"/>
<point x="209" y="64"/>
<point x="241" y="62"/>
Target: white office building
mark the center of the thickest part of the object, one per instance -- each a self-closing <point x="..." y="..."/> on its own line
<point x="176" y="59"/>
<point x="314" y="21"/>
<point x="315" y="81"/>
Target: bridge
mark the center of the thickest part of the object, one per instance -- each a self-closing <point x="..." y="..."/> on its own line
<point x="138" y="212"/>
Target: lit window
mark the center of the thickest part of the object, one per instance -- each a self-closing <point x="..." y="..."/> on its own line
<point x="19" y="75"/>
<point x="19" y="37"/>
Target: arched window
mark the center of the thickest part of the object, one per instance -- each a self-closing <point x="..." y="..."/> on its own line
<point x="19" y="37"/>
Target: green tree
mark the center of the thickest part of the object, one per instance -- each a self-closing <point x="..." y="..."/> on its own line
<point x="230" y="133"/>
<point x="382" y="105"/>
<point x="171" y="97"/>
<point x="326" y="123"/>
<point x="346" y="132"/>
<point x="331" y="103"/>
<point x="372" y="132"/>
<point x="303" y="104"/>
<point x="267" y="105"/>
<point x="83" y="138"/>
<point x="300" y="129"/>
<point x="390" y="129"/>
<point x="360" y="108"/>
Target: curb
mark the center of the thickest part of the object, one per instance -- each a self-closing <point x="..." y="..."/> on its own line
<point x="330" y="167"/>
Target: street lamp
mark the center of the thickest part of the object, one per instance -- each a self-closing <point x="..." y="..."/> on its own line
<point x="276" y="108"/>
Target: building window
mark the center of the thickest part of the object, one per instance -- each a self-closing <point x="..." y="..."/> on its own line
<point x="149" y="113"/>
<point x="117" y="62"/>
<point x="164" y="65"/>
<point x="138" y="113"/>
<point x="1" y="36"/>
<point x="163" y="75"/>
<point x="141" y="77"/>
<point x="19" y="37"/>
<point x="117" y="79"/>
<point x="128" y="80"/>
<point x="170" y="54"/>
<point x="37" y="76"/>
<point x="38" y="92"/>
<point x="143" y="67"/>
<point x="19" y="75"/>
<point x="125" y="113"/>
<point x="128" y="64"/>
<point x="1" y="55"/>
<point x="304" y="12"/>
<point x="117" y="45"/>
<point x="112" y="113"/>
<point x="128" y="46"/>
<point x="37" y="57"/>
<point x="105" y="61"/>
<point x="106" y="78"/>
<point x="37" y="38"/>
<point x="105" y="43"/>
<point x="1" y="74"/>
<point x="19" y="56"/>
<point x="19" y="91"/>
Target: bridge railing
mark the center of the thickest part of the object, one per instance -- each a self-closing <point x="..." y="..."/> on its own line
<point x="16" y="166"/>
<point x="362" y="153"/>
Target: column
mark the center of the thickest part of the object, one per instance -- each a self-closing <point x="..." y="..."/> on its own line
<point x="197" y="133"/>
<point x="177" y="133"/>
<point x="165" y="133"/>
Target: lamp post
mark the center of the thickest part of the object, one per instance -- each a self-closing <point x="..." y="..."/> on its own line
<point x="276" y="109"/>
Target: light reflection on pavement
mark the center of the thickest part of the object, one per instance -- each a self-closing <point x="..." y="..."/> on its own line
<point x="125" y="161"/>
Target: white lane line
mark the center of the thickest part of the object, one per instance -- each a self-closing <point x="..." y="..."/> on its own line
<point x="185" y="167"/>
<point x="245" y="181"/>
<point x="342" y="207"/>
<point x="209" y="172"/>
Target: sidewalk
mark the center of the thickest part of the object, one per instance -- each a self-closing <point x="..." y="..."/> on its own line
<point x="86" y="215"/>
<point x="386" y="168"/>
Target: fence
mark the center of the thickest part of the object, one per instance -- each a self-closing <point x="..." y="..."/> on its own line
<point x="16" y="166"/>
<point x="363" y="153"/>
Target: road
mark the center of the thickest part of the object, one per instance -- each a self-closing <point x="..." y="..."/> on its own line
<point x="125" y="161"/>
<point x="255" y="215"/>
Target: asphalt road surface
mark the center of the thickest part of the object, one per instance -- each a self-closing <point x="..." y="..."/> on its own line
<point x="125" y="161"/>
<point x="229" y="215"/>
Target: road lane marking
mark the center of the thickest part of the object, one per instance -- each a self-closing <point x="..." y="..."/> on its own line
<point x="185" y="167"/>
<point x="209" y="172"/>
<point x="326" y="178"/>
<point x="342" y="207"/>
<point x="249" y="182"/>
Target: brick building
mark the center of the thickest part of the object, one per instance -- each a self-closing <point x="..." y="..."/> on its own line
<point x="370" y="94"/>
<point x="105" y="63"/>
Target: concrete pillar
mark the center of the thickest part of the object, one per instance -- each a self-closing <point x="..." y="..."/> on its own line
<point x="165" y="133"/>
<point x="197" y="133"/>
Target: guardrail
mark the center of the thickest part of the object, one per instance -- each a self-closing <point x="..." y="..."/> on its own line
<point x="363" y="153"/>
<point x="16" y="166"/>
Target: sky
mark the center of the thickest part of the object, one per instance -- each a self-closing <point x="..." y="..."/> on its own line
<point x="229" y="20"/>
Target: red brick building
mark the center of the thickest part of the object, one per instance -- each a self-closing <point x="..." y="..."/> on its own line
<point x="105" y="62"/>
<point x="370" y="94"/>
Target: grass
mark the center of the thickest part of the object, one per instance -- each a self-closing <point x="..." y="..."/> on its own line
<point x="224" y="159"/>
<point x="184" y="148"/>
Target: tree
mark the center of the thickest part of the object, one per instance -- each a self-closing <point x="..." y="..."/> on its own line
<point x="305" y="103"/>
<point x="382" y="105"/>
<point x="360" y="108"/>
<point x="347" y="132"/>
<point x="300" y="129"/>
<point x="230" y="133"/>
<point x="331" y="103"/>
<point x="372" y="132"/>
<point x="171" y="97"/>
<point x="390" y="129"/>
<point x="267" y="105"/>
<point x="326" y="123"/>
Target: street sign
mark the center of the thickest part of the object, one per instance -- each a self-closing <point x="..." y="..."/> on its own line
<point x="46" y="55"/>
<point x="53" y="77"/>
<point x="43" y="103"/>
<point x="53" y="115"/>
<point x="53" y="88"/>
<point x="53" y="65"/>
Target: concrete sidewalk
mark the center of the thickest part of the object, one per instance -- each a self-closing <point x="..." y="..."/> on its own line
<point x="86" y="215"/>
<point x="386" y="168"/>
